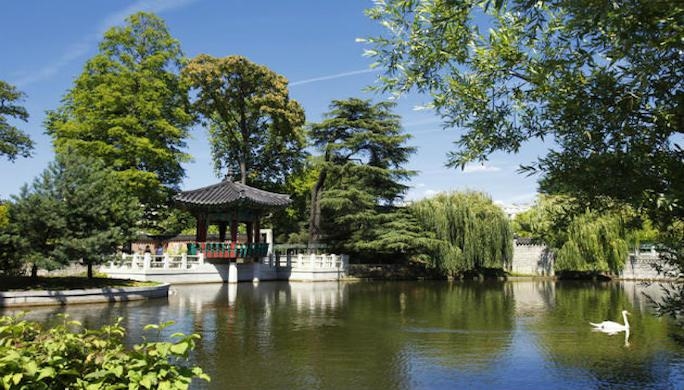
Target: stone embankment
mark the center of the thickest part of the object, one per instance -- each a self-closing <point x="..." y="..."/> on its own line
<point x="92" y="295"/>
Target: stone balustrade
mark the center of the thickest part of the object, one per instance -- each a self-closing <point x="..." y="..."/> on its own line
<point x="149" y="261"/>
<point x="309" y="261"/>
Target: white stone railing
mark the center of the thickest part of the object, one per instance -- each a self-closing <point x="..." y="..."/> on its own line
<point x="309" y="262"/>
<point x="149" y="261"/>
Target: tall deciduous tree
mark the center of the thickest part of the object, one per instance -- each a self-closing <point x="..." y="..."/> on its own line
<point x="129" y="108"/>
<point x="604" y="80"/>
<point x="360" y="172"/>
<point x="471" y="232"/>
<point x="13" y="142"/>
<point x="254" y="126"/>
<point x="594" y="243"/>
<point x="584" y="239"/>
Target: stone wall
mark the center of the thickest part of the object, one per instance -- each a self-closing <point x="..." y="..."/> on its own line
<point x="641" y="266"/>
<point x="536" y="260"/>
<point x="531" y="259"/>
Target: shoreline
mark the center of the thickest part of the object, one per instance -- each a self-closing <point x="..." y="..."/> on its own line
<point x="80" y="296"/>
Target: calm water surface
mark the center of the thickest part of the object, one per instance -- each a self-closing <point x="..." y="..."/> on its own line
<point x="413" y="335"/>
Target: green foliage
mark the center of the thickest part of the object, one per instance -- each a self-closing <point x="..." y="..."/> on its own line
<point x="170" y="221"/>
<point x="396" y="235"/>
<point x="290" y="223"/>
<point x="100" y="215"/>
<point x="602" y="79"/>
<point x="76" y="209"/>
<point x="13" y="142"/>
<point x="36" y="223"/>
<point x="68" y="357"/>
<point x="360" y="176"/>
<point x="585" y="239"/>
<point x="4" y="219"/>
<point x="254" y="126"/>
<point x="471" y="232"/>
<point x="548" y="220"/>
<point x="595" y="243"/>
<point x="129" y="109"/>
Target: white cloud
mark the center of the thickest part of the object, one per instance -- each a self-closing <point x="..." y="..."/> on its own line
<point x="430" y="193"/>
<point x="332" y="76"/>
<point x="477" y="168"/>
<point x="78" y="49"/>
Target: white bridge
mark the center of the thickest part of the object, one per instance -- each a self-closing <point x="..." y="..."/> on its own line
<point x="184" y="268"/>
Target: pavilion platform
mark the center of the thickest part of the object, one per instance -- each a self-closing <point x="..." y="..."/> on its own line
<point x="185" y="269"/>
<point x="227" y="205"/>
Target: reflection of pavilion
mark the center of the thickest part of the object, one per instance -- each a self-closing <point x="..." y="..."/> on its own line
<point x="227" y="205"/>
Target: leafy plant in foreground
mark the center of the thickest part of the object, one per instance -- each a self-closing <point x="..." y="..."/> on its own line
<point x="67" y="356"/>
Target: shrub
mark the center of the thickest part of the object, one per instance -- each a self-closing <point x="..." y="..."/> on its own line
<point x="68" y="356"/>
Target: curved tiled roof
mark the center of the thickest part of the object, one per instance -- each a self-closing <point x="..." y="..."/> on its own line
<point x="227" y="193"/>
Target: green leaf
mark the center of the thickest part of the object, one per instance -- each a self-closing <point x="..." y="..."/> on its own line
<point x="180" y="348"/>
<point x="46" y="372"/>
<point x="30" y="367"/>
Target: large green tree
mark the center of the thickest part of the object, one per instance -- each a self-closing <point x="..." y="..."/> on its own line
<point x="35" y="224"/>
<point x="75" y="210"/>
<point x="471" y="232"/>
<point x="585" y="239"/>
<point x="129" y="108"/>
<point x="100" y="216"/>
<point x="254" y="125"/>
<point x="361" y="173"/>
<point x="604" y="80"/>
<point x="13" y="142"/>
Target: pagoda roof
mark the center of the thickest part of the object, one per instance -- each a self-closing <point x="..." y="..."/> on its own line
<point x="229" y="193"/>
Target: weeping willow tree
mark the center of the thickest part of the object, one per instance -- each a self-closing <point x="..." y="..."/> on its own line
<point x="471" y="232"/>
<point x="595" y="243"/>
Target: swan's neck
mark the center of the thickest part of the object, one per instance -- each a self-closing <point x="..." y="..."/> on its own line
<point x="624" y="316"/>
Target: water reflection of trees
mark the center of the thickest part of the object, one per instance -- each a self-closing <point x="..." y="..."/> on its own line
<point x="362" y="335"/>
<point x="566" y="337"/>
<point x="296" y="336"/>
<point x="465" y="324"/>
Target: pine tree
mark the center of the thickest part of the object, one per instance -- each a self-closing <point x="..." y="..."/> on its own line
<point x="75" y="210"/>
<point x="360" y="176"/>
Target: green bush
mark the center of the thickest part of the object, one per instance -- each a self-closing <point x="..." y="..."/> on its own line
<point x="69" y="357"/>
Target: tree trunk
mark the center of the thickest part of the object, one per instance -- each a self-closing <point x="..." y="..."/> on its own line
<point x="34" y="271"/>
<point x="315" y="213"/>
<point x="243" y="172"/>
<point x="90" y="270"/>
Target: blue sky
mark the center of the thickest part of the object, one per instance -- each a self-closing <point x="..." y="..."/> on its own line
<point x="313" y="43"/>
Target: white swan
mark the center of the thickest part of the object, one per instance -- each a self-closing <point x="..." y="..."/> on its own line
<point x="612" y="327"/>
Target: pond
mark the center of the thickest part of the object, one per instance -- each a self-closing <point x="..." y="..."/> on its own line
<point x="413" y="335"/>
